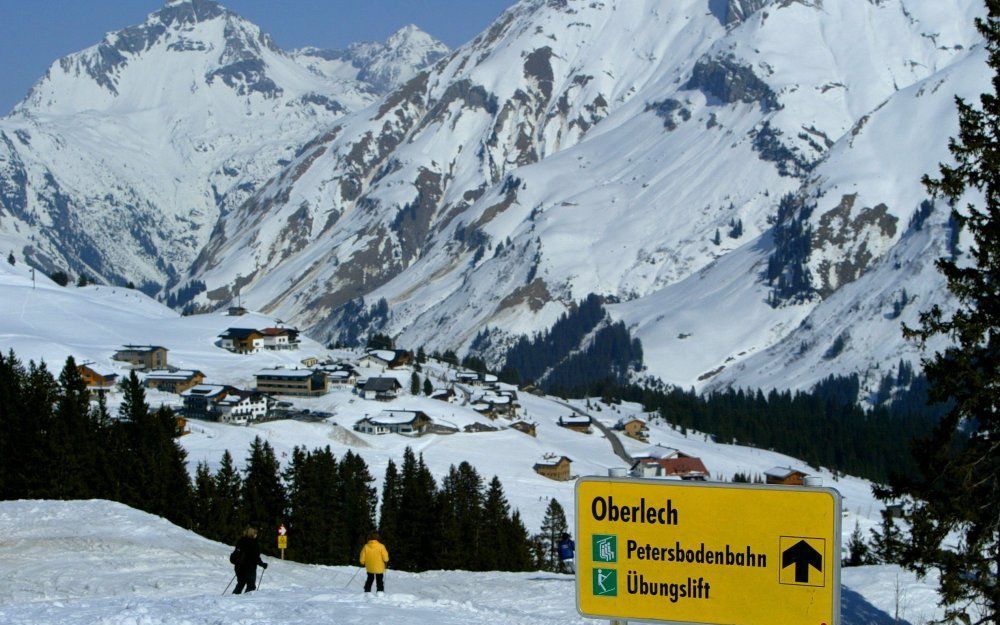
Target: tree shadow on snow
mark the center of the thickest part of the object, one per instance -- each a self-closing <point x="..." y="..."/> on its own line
<point x="855" y="610"/>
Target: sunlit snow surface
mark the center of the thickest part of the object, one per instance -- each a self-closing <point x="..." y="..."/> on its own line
<point x="101" y="563"/>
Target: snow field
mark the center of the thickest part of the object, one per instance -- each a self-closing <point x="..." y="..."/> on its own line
<point x="102" y="563"/>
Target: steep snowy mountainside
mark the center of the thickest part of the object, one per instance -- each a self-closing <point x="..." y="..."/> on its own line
<point x="427" y="173"/>
<point x="121" y="159"/>
<point x="637" y="148"/>
<point x="381" y="66"/>
<point x="876" y="237"/>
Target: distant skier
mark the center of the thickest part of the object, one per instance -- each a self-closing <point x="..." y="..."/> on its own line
<point x="567" y="553"/>
<point x="245" y="559"/>
<point x="374" y="557"/>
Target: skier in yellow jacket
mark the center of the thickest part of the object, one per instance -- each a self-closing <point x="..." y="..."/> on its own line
<point x="374" y="557"/>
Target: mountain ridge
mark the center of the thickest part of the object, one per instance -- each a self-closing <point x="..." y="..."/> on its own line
<point x="718" y="152"/>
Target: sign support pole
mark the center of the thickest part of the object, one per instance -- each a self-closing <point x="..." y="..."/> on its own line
<point x="617" y="472"/>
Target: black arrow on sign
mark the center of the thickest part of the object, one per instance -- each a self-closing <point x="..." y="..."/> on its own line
<point x="802" y="555"/>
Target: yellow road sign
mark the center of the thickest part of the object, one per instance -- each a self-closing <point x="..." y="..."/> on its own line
<point x="727" y="554"/>
<point x="282" y="542"/>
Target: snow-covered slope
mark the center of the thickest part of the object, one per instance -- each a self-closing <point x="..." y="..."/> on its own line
<point x="100" y="563"/>
<point x="638" y="150"/>
<point x="48" y="322"/>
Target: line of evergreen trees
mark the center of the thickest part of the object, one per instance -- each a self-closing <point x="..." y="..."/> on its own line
<point x="824" y="426"/>
<point x="552" y="359"/>
<point x="56" y="444"/>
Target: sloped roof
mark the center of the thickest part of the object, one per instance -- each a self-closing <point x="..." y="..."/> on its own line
<point x="205" y="390"/>
<point x="379" y="385"/>
<point x="782" y="472"/>
<point x="239" y="333"/>
<point x="396" y="417"/>
<point x="286" y="373"/>
<point x="684" y="466"/>
<point x="166" y="374"/>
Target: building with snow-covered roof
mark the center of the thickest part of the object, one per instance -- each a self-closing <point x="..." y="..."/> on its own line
<point x="386" y="358"/>
<point x="407" y="422"/>
<point x="476" y="379"/>
<point x="242" y="340"/>
<point x="577" y="423"/>
<point x="340" y="375"/>
<point x="226" y="404"/>
<point x="279" y="338"/>
<point x="143" y="356"/>
<point x="658" y="452"/>
<point x="554" y="467"/>
<point x="297" y="382"/>
<point x="785" y="476"/>
<point x="173" y="381"/>
<point x="382" y="389"/>
<point x="525" y="428"/>
<point x="97" y="378"/>
<point x="683" y="467"/>
<point x="633" y="428"/>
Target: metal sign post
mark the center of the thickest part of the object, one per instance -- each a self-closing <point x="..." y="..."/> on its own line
<point x="282" y="540"/>
<point x="707" y="553"/>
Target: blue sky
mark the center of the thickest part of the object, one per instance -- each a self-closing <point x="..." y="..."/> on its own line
<point x="34" y="33"/>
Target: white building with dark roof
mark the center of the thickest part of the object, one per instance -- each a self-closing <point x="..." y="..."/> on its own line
<point x="407" y="422"/>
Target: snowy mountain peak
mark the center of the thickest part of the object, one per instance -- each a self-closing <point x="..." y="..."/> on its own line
<point x="185" y="37"/>
<point x="383" y="66"/>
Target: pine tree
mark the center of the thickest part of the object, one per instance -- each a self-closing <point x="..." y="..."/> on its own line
<point x="358" y="501"/>
<point x="133" y="407"/>
<point x="10" y="259"/>
<point x="388" y="518"/>
<point x="519" y="557"/>
<point x="428" y="387"/>
<point x="205" y="503"/>
<point x="886" y="543"/>
<point x="553" y="527"/>
<point x="72" y="445"/>
<point x="418" y="514"/>
<point x="315" y="516"/>
<point x="496" y="535"/>
<point x="953" y="507"/>
<point x="414" y="383"/>
<point x="857" y="548"/>
<point x="263" y="495"/>
<point x="228" y="488"/>
<point x="460" y="502"/>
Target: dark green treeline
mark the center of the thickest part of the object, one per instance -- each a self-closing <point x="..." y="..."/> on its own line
<point x="56" y="444"/>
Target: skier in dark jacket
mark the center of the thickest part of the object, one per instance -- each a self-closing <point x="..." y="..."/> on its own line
<point x="567" y="553"/>
<point x="247" y="558"/>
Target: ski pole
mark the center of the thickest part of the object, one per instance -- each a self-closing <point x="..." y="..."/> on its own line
<point x="229" y="584"/>
<point x="352" y="577"/>
<point x="261" y="582"/>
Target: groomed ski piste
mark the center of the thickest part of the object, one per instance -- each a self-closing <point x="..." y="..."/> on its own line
<point x="102" y="563"/>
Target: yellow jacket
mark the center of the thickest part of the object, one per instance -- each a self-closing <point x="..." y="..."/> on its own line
<point x="374" y="557"/>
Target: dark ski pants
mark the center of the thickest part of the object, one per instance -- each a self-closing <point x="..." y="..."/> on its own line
<point x="379" y="580"/>
<point x="245" y="580"/>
